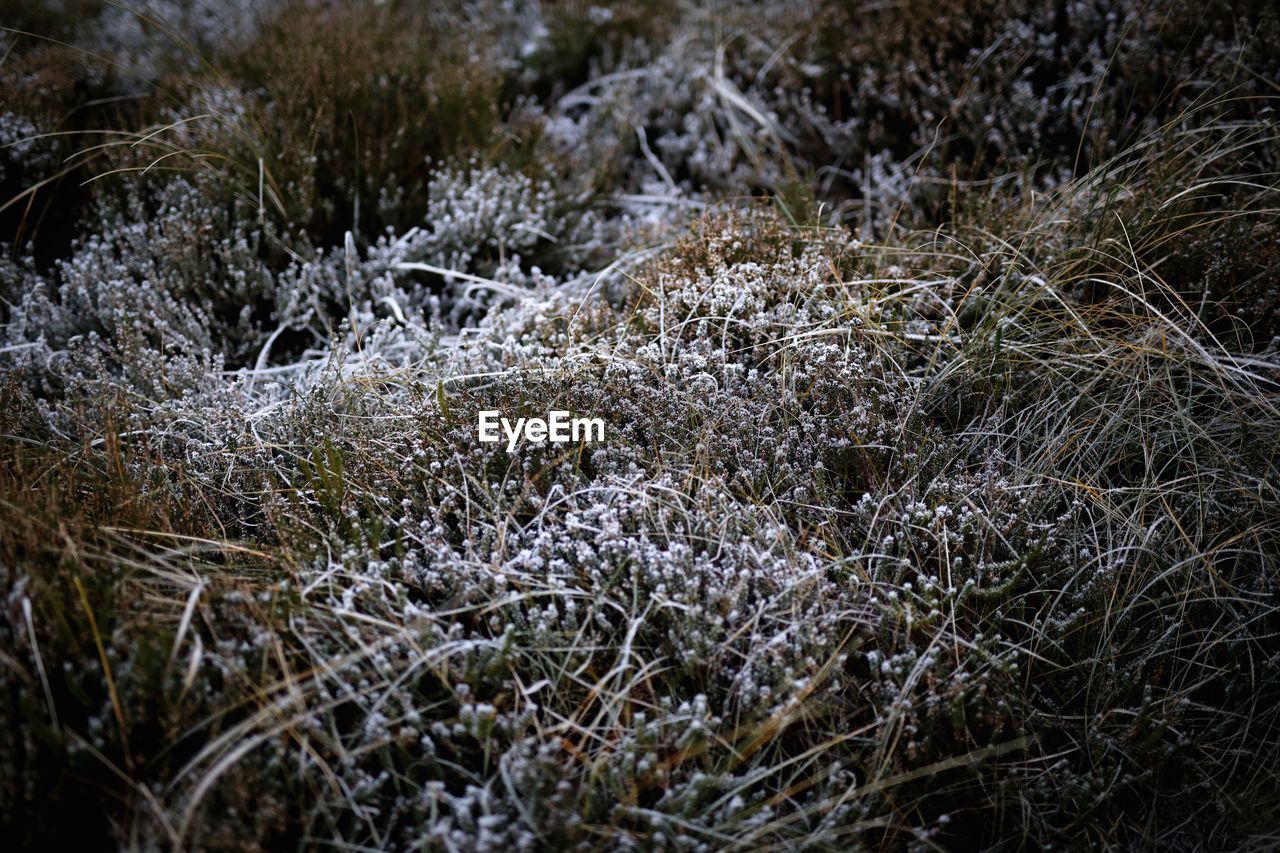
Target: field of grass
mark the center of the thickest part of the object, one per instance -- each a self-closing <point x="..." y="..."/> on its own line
<point x="938" y="348"/>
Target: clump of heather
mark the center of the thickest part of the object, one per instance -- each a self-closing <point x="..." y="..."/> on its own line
<point x="937" y="501"/>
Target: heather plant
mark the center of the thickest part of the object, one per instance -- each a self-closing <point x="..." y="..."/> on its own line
<point x="937" y="506"/>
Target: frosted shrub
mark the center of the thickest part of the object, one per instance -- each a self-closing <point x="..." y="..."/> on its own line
<point x="481" y="215"/>
<point x="140" y="36"/>
<point x="178" y="282"/>
<point x="489" y="222"/>
<point x="944" y="537"/>
<point x="613" y="565"/>
<point x="20" y="147"/>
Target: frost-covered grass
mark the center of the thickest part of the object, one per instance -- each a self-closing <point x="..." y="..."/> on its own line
<point x="939" y="356"/>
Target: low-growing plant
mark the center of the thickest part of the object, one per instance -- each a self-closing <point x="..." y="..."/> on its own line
<point x="936" y="509"/>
